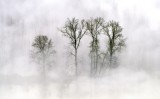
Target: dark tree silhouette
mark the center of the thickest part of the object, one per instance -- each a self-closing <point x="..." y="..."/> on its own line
<point x="74" y="30"/>
<point x="94" y="27"/>
<point x="43" y="51"/>
<point x="115" y="40"/>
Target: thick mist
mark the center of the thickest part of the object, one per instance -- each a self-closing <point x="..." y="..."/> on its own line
<point x="136" y="77"/>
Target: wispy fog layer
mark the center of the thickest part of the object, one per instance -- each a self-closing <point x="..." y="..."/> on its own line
<point x="137" y="76"/>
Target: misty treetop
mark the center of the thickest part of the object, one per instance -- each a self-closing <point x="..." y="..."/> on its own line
<point x="115" y="41"/>
<point x="43" y="51"/>
<point x="75" y="29"/>
<point x="94" y="29"/>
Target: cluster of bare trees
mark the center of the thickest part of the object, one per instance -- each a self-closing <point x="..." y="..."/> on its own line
<point x="75" y="29"/>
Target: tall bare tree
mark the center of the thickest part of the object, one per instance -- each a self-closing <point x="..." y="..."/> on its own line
<point x="94" y="28"/>
<point x="115" y="40"/>
<point x="74" y="30"/>
<point x="43" y="51"/>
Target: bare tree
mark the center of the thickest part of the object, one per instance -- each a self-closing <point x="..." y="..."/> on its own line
<point x="74" y="30"/>
<point x="94" y="27"/>
<point x="43" y="51"/>
<point x="115" y="40"/>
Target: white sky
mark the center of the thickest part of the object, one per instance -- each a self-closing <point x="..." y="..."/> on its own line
<point x="21" y="20"/>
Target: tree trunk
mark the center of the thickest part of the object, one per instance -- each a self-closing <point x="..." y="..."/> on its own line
<point x="110" y="61"/>
<point x="91" y="69"/>
<point x="43" y="64"/>
<point x="76" y="68"/>
<point x="43" y="78"/>
<point x="96" y="62"/>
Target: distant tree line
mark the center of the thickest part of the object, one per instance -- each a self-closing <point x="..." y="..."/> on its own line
<point x="75" y="29"/>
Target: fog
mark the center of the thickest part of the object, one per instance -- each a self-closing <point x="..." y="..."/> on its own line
<point x="136" y="77"/>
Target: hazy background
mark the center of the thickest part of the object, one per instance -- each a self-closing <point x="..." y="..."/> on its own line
<point x="136" y="77"/>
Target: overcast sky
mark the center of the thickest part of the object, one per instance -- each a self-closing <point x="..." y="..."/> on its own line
<point x="21" y="20"/>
